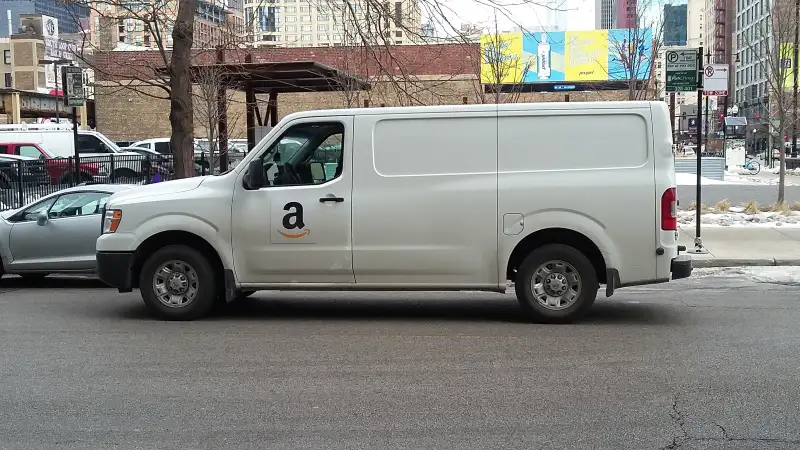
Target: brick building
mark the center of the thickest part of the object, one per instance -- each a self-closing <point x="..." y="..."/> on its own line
<point x="400" y="76"/>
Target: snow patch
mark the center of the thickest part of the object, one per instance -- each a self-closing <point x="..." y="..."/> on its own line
<point x="690" y="179"/>
<point x="737" y="218"/>
<point x="785" y="275"/>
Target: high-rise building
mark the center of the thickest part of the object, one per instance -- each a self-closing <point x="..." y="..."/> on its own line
<point x="751" y="81"/>
<point x="128" y="26"/>
<point x="69" y="14"/>
<point x="302" y="23"/>
<point x="695" y="24"/>
<point x="608" y="17"/>
<point x="675" y="25"/>
<point x="720" y="18"/>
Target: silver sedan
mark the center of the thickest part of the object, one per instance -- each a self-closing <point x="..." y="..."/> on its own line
<point x="56" y="233"/>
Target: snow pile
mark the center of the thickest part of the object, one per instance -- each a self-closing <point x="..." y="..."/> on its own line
<point x="786" y="275"/>
<point x="741" y="176"/>
<point x="736" y="217"/>
<point x="789" y="276"/>
<point x="777" y="170"/>
<point x="690" y="179"/>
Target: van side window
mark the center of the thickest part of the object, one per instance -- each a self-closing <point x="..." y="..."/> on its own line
<point x="306" y="154"/>
<point x="91" y="144"/>
<point x="163" y="148"/>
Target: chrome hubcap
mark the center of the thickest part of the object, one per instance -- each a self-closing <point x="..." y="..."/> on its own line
<point x="556" y="285"/>
<point x="175" y="284"/>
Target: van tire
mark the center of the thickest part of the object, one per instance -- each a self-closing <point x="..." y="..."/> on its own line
<point x="202" y="279"/>
<point x="566" y="260"/>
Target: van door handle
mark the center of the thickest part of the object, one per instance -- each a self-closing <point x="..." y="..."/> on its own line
<point x="331" y="199"/>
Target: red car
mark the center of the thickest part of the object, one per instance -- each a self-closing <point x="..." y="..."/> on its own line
<point x="59" y="169"/>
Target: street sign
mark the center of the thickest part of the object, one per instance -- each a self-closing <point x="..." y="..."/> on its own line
<point x="715" y="79"/>
<point x="681" y="70"/>
<point x="72" y="80"/>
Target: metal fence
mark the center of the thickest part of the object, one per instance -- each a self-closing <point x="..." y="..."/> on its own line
<point x="25" y="180"/>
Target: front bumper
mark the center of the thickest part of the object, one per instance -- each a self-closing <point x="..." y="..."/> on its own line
<point x="116" y="269"/>
<point x="681" y="267"/>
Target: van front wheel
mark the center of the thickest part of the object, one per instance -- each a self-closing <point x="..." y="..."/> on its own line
<point x="178" y="283"/>
<point x="556" y="283"/>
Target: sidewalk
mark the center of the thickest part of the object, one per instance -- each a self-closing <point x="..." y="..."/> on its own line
<point x="744" y="246"/>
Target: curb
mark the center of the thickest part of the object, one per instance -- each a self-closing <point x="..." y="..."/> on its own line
<point x="701" y="263"/>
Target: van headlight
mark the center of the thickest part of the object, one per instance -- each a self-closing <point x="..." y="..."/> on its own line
<point x="111" y="220"/>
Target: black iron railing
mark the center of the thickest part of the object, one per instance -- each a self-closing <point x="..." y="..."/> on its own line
<point x="24" y="181"/>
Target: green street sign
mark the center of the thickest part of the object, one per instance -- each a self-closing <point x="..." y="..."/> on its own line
<point x="681" y="70"/>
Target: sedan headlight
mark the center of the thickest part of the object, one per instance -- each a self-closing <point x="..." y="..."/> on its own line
<point x="111" y="220"/>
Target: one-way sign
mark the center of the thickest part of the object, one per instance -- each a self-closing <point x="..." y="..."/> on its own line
<point x="681" y="70"/>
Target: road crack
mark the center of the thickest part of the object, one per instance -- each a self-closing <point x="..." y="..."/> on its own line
<point x="682" y="437"/>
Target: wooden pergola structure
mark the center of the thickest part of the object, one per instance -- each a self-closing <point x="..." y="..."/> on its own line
<point x="270" y="78"/>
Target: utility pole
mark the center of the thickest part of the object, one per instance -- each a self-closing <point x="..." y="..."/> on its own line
<point x="794" y="76"/>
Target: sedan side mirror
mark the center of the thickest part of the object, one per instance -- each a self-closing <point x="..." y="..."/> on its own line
<point x="255" y="175"/>
<point x="42" y="218"/>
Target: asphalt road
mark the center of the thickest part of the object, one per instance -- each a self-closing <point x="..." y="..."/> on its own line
<point x="737" y="194"/>
<point x="708" y="363"/>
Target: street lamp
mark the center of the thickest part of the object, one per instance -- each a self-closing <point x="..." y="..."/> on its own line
<point x="56" y="63"/>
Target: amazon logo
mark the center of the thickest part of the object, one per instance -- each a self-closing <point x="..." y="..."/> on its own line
<point x="293" y="222"/>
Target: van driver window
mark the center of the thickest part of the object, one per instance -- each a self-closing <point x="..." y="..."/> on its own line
<point x="305" y="154"/>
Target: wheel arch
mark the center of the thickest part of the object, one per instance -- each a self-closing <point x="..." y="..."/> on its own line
<point x="556" y="235"/>
<point x="176" y="237"/>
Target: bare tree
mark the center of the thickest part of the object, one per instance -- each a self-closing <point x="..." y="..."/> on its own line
<point x="501" y="72"/>
<point x="212" y="101"/>
<point x="167" y="29"/>
<point x="771" y="45"/>
<point x="635" y="49"/>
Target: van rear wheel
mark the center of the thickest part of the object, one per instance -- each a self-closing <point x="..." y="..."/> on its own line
<point x="556" y="283"/>
<point x="178" y="283"/>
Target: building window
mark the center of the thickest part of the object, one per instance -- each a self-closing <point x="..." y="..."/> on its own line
<point x="322" y="37"/>
<point x="322" y="27"/>
<point x="291" y="9"/>
<point x="322" y="18"/>
<point x="398" y="13"/>
<point x="8" y="79"/>
<point x="305" y="37"/>
<point x="305" y="28"/>
<point x="7" y="57"/>
<point x="291" y="19"/>
<point x="398" y="34"/>
<point x="304" y="9"/>
<point x="291" y="28"/>
<point x="305" y="18"/>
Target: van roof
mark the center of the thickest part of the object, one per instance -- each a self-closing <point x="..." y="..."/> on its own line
<point x="542" y="106"/>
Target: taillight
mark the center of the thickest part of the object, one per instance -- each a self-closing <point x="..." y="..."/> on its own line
<point x="669" y="210"/>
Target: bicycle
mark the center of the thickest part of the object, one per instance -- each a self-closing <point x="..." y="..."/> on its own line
<point x="753" y="166"/>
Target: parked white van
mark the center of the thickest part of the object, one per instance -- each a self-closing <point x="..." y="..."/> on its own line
<point x="556" y="197"/>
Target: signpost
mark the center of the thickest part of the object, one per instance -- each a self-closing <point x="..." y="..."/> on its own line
<point x="681" y="70"/>
<point x="72" y="80"/>
<point x="698" y="241"/>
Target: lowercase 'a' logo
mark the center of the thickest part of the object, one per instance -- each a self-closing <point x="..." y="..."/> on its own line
<point x="293" y="220"/>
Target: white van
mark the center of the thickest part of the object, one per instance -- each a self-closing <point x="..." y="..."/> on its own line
<point x="555" y="197"/>
<point x="57" y="139"/>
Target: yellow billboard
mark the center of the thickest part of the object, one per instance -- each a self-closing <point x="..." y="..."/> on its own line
<point x="787" y="65"/>
<point x="587" y="55"/>
<point x="502" y="60"/>
<point x="571" y="56"/>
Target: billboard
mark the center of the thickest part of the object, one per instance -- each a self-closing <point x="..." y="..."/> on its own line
<point x="571" y="56"/>
<point x="787" y="63"/>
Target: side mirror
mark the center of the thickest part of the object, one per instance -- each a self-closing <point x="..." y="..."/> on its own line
<point x="255" y="174"/>
<point x="317" y="172"/>
<point x="42" y="158"/>
<point x="42" y="218"/>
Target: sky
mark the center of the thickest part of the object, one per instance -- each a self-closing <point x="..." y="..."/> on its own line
<point x="575" y="15"/>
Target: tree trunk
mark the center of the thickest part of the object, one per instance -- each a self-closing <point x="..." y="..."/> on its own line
<point x="782" y="171"/>
<point x="180" y="115"/>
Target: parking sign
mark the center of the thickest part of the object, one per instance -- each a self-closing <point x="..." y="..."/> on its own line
<point x="681" y="70"/>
